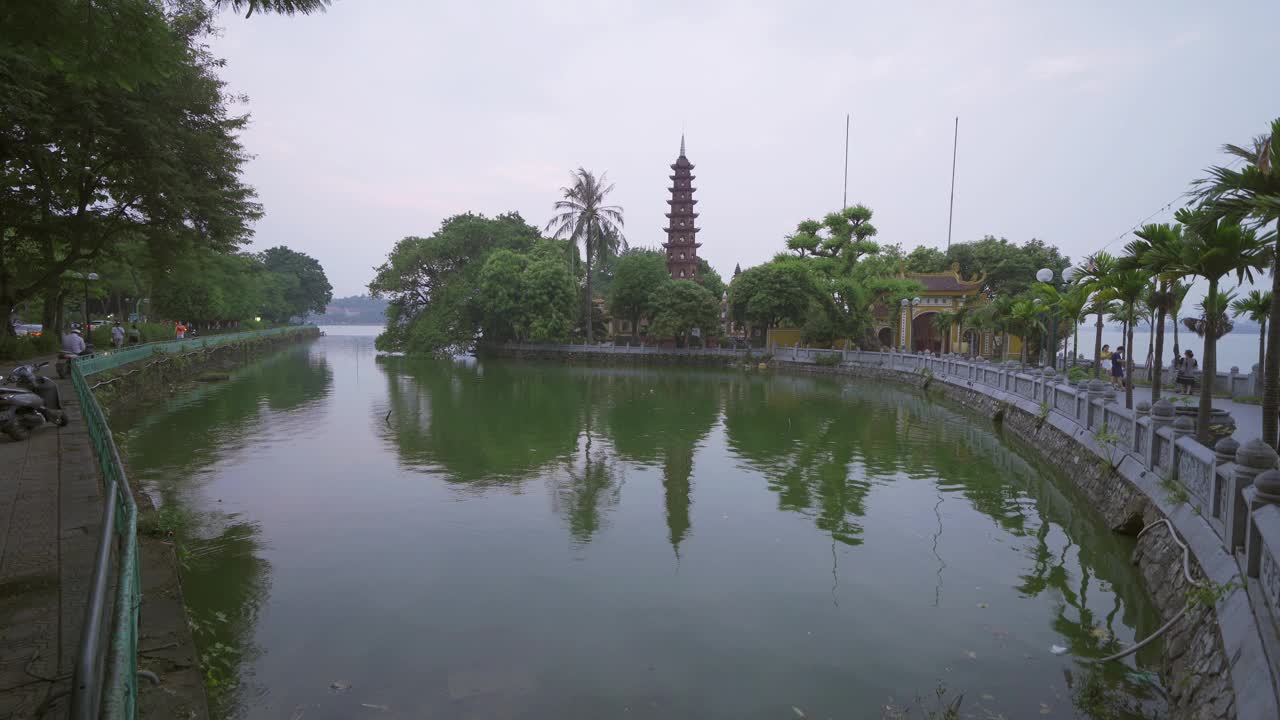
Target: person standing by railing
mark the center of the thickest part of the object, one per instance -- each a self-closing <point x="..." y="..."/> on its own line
<point x="117" y="336"/>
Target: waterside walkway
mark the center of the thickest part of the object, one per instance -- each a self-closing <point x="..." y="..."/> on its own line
<point x="50" y="519"/>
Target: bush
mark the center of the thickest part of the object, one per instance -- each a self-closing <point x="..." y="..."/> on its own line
<point x="827" y="359"/>
<point x="22" y="348"/>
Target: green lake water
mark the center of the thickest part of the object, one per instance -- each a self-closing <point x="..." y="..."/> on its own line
<point x="388" y="537"/>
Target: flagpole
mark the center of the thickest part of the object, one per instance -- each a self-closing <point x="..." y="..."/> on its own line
<point x="845" y="202"/>
<point x="951" y="213"/>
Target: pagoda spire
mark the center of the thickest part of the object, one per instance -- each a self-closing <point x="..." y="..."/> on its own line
<point x="682" y="228"/>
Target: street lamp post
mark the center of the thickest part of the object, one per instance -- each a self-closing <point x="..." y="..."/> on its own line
<point x="906" y="327"/>
<point x="88" y="332"/>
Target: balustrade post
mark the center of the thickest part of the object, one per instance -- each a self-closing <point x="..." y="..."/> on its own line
<point x="1141" y="411"/>
<point x="1097" y="395"/>
<point x="1267" y="487"/>
<point x="1253" y="458"/>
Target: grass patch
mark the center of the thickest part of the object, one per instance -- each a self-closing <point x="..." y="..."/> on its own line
<point x="166" y="521"/>
<point x="1173" y="491"/>
<point x="1248" y="399"/>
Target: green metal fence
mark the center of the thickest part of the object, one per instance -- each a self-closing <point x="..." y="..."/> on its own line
<point x="107" y="359"/>
<point x="106" y="673"/>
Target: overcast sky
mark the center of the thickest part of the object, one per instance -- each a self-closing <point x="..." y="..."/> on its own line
<point x="380" y="118"/>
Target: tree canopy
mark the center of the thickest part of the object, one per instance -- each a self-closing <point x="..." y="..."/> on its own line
<point x="432" y="284"/>
<point x="116" y="132"/>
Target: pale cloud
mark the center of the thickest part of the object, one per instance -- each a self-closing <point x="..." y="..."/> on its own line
<point x="377" y="120"/>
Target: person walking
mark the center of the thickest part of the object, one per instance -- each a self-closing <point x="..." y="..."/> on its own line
<point x="135" y="335"/>
<point x="1117" y="368"/>
<point x="180" y="330"/>
<point x="1187" y="373"/>
<point x="117" y="335"/>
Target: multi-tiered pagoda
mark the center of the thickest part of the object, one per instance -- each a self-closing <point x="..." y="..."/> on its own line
<point x="681" y="244"/>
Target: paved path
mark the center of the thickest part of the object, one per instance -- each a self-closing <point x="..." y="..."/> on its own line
<point x="50" y="516"/>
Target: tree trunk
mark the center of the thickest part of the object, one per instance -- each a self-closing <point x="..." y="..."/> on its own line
<point x="1208" y="376"/>
<point x="1075" y="344"/>
<point x="6" y="315"/>
<point x="1097" y="344"/>
<point x="1271" y="368"/>
<point x="1158" y="362"/>
<point x="1128" y="364"/>
<point x="590" y="316"/>
<point x="1262" y="345"/>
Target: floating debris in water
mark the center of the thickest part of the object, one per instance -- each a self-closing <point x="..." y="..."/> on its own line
<point x="371" y="706"/>
<point x="340" y="685"/>
<point x="799" y="713"/>
<point x="1057" y="650"/>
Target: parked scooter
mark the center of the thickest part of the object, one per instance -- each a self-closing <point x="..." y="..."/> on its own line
<point x="63" y="367"/>
<point x="35" y="401"/>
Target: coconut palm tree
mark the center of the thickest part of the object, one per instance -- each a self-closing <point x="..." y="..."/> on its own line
<point x="583" y="217"/>
<point x="1252" y="195"/>
<point x="1092" y="276"/>
<point x="1257" y="305"/>
<point x="1213" y="247"/>
<point x="1156" y="251"/>
<point x="1071" y="307"/>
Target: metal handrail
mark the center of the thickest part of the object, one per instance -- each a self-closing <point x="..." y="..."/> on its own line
<point x="116" y="697"/>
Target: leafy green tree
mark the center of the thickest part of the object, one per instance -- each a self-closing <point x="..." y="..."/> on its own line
<point x="1215" y="247"/>
<point x="115" y="129"/>
<point x="768" y="294"/>
<point x="710" y="279"/>
<point x="1010" y="269"/>
<point x="1251" y="194"/>
<point x="926" y="259"/>
<point x="548" y="293"/>
<point x="844" y="235"/>
<point x="312" y="292"/>
<point x="500" y="300"/>
<point x="1127" y="287"/>
<point x="1256" y="305"/>
<point x="682" y="306"/>
<point x="584" y="218"/>
<point x="431" y="283"/>
<point x="638" y="274"/>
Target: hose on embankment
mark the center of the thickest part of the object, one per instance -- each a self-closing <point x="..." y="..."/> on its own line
<point x="1186" y="572"/>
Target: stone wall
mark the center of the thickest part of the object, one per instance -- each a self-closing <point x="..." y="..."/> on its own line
<point x="163" y="375"/>
<point x="1196" y="670"/>
<point x="607" y="356"/>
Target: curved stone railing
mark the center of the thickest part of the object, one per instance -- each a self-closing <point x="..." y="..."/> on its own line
<point x="1231" y="515"/>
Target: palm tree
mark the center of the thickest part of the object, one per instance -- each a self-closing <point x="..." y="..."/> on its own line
<point x="1126" y="287"/>
<point x="942" y="323"/>
<point x="1156" y="251"/>
<point x="1071" y="309"/>
<point x="1257" y="305"/>
<point x="1214" y="246"/>
<point x="1024" y="319"/>
<point x="585" y="218"/>
<point x="1093" y="277"/>
<point x="283" y="7"/>
<point x="1177" y="295"/>
<point x="1252" y="194"/>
